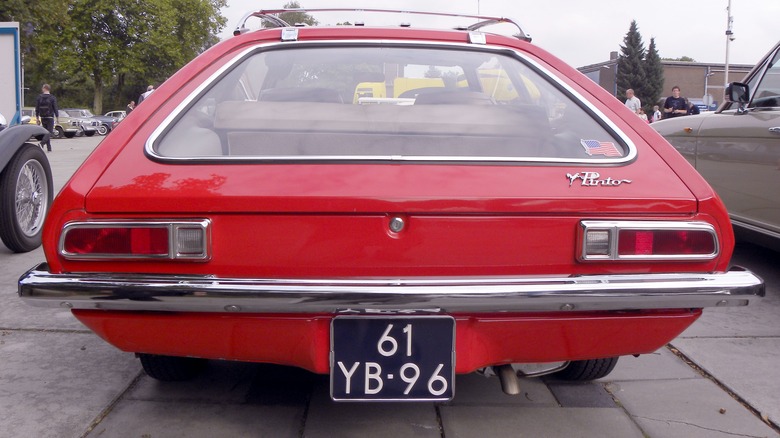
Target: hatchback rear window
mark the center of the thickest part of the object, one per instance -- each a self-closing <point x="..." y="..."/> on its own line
<point x="386" y="103"/>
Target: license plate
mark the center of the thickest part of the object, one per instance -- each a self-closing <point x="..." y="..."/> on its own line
<point x="392" y="358"/>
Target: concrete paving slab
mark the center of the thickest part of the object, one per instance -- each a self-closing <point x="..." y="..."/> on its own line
<point x="662" y="364"/>
<point x="54" y="384"/>
<point x="134" y="418"/>
<point x="759" y="320"/>
<point x="474" y="389"/>
<point x="326" y="418"/>
<point x="750" y="367"/>
<point x="687" y="409"/>
<point x="517" y="422"/>
<point x="221" y="382"/>
<point x="16" y="314"/>
<point x="581" y="395"/>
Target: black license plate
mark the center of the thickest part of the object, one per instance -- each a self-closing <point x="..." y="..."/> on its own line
<point x="392" y="358"/>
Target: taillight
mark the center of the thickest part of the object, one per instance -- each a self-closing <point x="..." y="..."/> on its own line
<point x="187" y="240"/>
<point x="647" y="240"/>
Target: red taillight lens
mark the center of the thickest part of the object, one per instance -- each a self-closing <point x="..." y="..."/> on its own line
<point x="665" y="242"/>
<point x="157" y="239"/>
<point x="141" y="241"/>
<point x="647" y="240"/>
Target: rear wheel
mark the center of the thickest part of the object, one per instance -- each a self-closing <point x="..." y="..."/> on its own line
<point x="102" y="130"/>
<point x="583" y="370"/>
<point x="89" y="133"/>
<point x="171" y="368"/>
<point x="26" y="191"/>
<point x="58" y="132"/>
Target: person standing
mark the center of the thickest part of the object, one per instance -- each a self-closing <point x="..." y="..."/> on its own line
<point x="143" y="96"/>
<point x="675" y="105"/>
<point x="693" y="109"/>
<point x="46" y="111"/>
<point x="632" y="102"/>
<point x="130" y="107"/>
<point x="656" y="113"/>
<point x="642" y="115"/>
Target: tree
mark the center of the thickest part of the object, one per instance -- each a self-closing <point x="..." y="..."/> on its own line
<point x="680" y="59"/>
<point x="83" y="47"/>
<point x="654" y="78"/>
<point x="630" y="65"/>
<point x="40" y="24"/>
<point x="152" y="38"/>
<point x="293" y="18"/>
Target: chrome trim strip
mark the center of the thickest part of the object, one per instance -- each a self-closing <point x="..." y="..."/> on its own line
<point x="614" y="228"/>
<point x="136" y="292"/>
<point x="577" y="98"/>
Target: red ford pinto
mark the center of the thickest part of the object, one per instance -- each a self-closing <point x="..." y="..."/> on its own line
<point x="389" y="206"/>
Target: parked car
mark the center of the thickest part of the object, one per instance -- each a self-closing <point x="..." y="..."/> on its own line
<point x="104" y="124"/>
<point x="68" y="124"/>
<point x="26" y="188"/>
<point x="30" y="112"/>
<point x="256" y="208"/>
<point x="737" y="150"/>
<point x="703" y="107"/>
<point x="118" y="115"/>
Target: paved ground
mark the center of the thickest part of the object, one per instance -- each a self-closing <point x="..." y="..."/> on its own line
<point x="57" y="379"/>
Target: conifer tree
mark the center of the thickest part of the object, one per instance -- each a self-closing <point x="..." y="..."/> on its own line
<point x="654" y="78"/>
<point x="630" y="65"/>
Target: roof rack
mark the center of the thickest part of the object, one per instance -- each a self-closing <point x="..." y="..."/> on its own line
<point x="270" y="16"/>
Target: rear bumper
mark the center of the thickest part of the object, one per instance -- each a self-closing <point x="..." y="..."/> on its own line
<point x="175" y="293"/>
<point x="285" y="321"/>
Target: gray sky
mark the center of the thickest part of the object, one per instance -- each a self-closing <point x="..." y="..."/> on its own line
<point x="584" y="32"/>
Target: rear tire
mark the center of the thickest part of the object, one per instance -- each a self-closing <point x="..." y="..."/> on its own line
<point x="584" y="370"/>
<point x="89" y="133"/>
<point x="26" y="192"/>
<point x="102" y="130"/>
<point x="58" y="132"/>
<point x="171" y="368"/>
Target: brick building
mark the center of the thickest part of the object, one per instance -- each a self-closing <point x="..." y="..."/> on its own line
<point x="695" y="79"/>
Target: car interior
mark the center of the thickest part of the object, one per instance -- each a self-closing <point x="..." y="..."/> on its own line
<point x="380" y="103"/>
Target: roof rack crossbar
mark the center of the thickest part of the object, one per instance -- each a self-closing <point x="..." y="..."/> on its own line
<point x="271" y="16"/>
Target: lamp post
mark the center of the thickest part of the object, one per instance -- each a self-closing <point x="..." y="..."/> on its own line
<point x="729" y="39"/>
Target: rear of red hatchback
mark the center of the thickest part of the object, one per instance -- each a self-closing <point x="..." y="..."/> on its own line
<point x="390" y="207"/>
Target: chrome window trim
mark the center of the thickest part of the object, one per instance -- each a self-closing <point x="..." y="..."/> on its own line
<point x="613" y="227"/>
<point x="573" y="94"/>
<point x="172" y="226"/>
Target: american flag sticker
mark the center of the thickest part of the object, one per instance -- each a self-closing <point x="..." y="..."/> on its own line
<point x="606" y="148"/>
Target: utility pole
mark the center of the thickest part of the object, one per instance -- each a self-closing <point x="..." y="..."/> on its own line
<point x="729" y="39"/>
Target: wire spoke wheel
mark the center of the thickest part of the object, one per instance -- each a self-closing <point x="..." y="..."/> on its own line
<point x="25" y="193"/>
<point x="31" y="198"/>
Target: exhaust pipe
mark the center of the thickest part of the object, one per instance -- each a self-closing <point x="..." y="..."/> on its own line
<point x="510" y="384"/>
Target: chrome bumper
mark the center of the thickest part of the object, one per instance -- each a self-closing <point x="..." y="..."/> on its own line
<point x="178" y="293"/>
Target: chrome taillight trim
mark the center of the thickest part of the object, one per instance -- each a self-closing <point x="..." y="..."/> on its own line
<point x="614" y="228"/>
<point x="171" y="225"/>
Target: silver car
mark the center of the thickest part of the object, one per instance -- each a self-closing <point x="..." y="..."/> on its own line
<point x="737" y="149"/>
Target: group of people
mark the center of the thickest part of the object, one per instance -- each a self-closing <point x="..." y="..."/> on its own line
<point x="674" y="106"/>
<point x="47" y="112"/>
<point x="131" y="106"/>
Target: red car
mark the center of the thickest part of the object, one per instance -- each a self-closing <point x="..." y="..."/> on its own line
<point x="389" y="206"/>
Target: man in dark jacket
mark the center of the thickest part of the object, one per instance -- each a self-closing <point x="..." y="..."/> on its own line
<point x="46" y="111"/>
